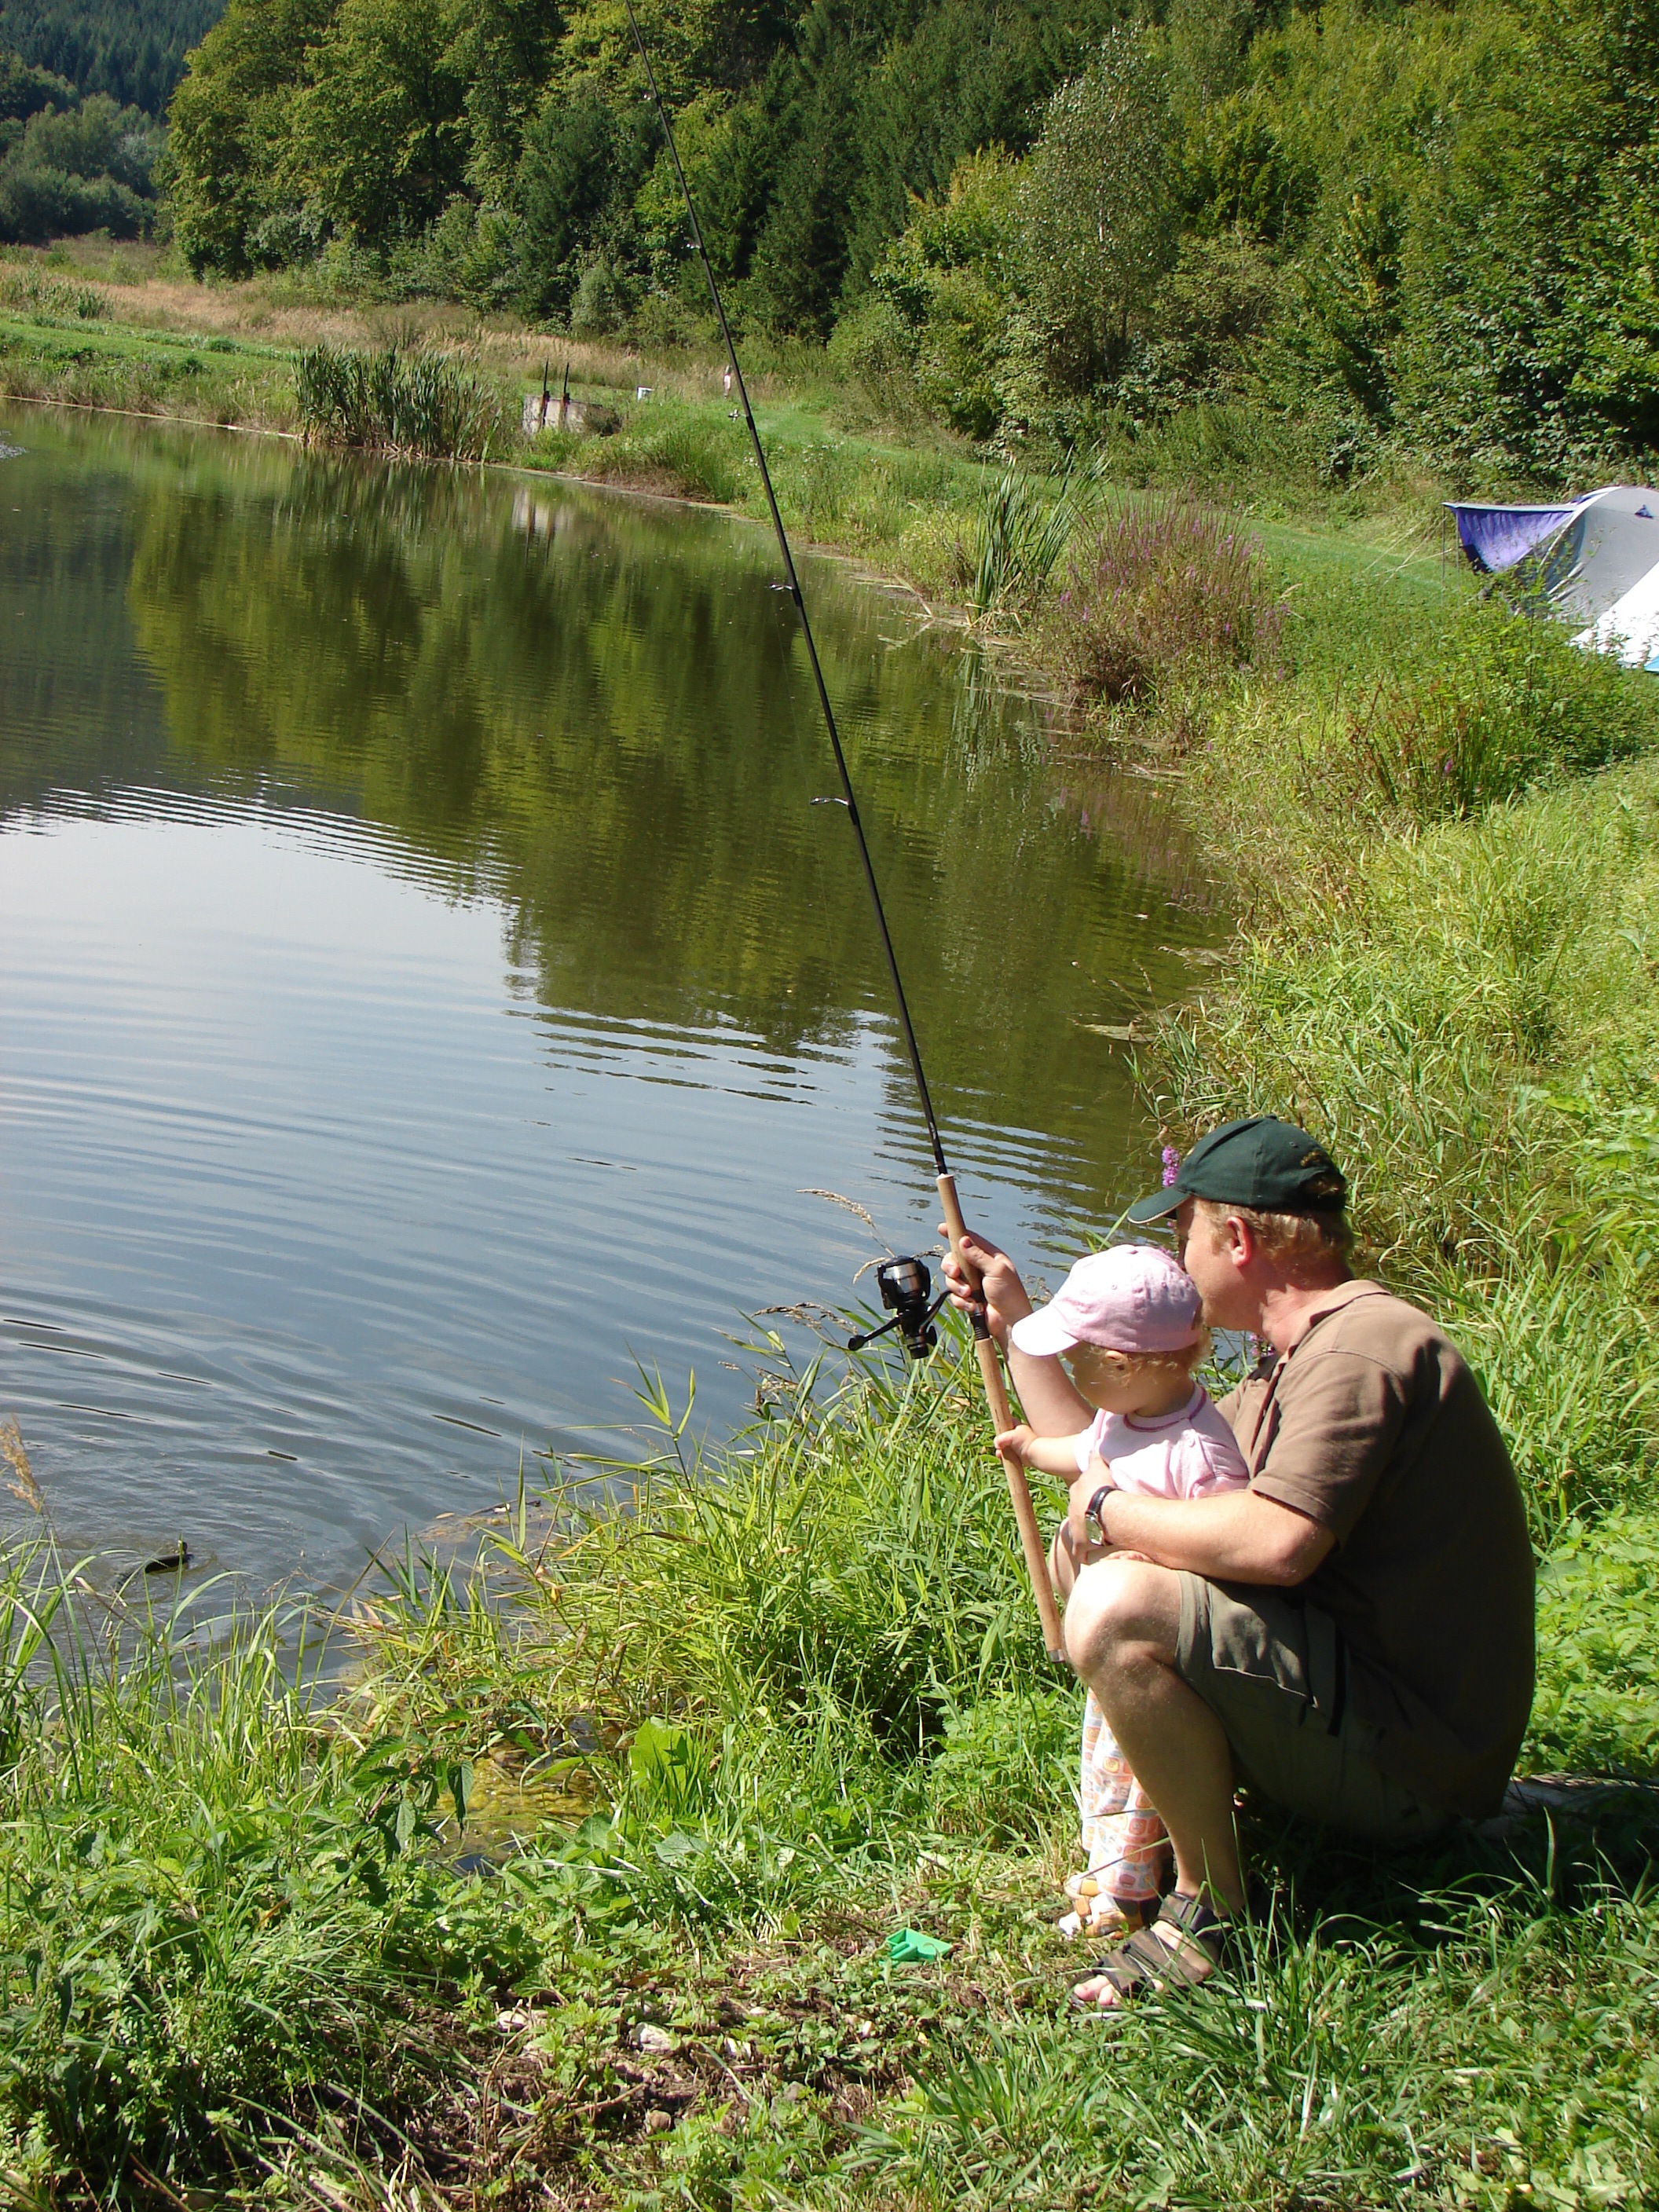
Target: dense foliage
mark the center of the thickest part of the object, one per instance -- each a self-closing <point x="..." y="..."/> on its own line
<point x="132" y="50"/>
<point x="1422" y="226"/>
<point x="67" y="165"/>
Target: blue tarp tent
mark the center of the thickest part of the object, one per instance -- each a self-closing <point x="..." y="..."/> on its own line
<point x="1592" y="562"/>
<point x="1496" y="537"/>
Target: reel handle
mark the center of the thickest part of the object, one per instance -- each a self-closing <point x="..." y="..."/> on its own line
<point x="996" y="1397"/>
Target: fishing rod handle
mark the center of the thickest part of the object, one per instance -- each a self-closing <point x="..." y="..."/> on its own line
<point x="996" y="1397"/>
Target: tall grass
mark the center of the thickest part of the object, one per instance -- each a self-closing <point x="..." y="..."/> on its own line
<point x="789" y="1701"/>
<point x="51" y="297"/>
<point x="1496" y="704"/>
<point x="390" y="401"/>
<point x="1468" y="1013"/>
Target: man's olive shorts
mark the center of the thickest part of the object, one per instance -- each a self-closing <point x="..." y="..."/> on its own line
<point x="1274" y="1673"/>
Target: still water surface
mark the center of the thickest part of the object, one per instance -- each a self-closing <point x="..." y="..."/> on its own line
<point x="427" y="983"/>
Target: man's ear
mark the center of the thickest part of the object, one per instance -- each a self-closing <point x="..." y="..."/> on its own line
<point x="1240" y="1239"/>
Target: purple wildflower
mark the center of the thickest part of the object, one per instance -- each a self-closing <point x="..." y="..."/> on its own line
<point x="1171" y="1165"/>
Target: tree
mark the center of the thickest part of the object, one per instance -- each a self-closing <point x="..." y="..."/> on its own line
<point x="503" y="51"/>
<point x="583" y="161"/>
<point x="947" y="282"/>
<point x="1096" y="218"/>
<point x="231" y="129"/>
<point x="132" y="50"/>
<point x="379" y="137"/>
<point x="801" y="256"/>
<point x="25" y="91"/>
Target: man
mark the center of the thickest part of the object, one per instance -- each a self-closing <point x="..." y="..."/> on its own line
<point x="1352" y="1634"/>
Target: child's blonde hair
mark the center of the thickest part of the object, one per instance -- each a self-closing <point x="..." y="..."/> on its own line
<point x="1187" y="1361"/>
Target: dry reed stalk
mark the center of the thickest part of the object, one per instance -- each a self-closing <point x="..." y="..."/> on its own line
<point x="22" y="1483"/>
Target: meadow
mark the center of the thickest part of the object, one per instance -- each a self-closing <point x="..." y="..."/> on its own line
<point x="568" y="1876"/>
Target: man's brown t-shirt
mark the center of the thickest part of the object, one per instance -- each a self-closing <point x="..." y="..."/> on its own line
<point x="1373" y="1426"/>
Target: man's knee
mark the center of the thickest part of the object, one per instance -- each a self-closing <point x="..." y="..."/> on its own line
<point x="1118" y="1607"/>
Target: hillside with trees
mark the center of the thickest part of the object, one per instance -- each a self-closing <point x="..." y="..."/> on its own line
<point x="131" y="51"/>
<point x="1418" y="227"/>
<point x="69" y="166"/>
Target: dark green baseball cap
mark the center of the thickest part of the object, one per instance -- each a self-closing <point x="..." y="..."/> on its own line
<point x="1263" y="1163"/>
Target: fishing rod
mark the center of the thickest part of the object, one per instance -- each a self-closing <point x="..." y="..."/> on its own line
<point x="996" y="1396"/>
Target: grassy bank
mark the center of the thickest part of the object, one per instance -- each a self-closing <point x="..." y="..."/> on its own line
<point x="719" y="1752"/>
<point x="856" y="469"/>
<point x="713" y="1753"/>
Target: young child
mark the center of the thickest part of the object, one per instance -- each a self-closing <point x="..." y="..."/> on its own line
<point x="1127" y="1323"/>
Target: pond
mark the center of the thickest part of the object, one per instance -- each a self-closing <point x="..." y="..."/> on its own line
<point x="430" y="987"/>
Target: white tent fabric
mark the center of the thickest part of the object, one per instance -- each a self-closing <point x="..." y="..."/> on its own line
<point x="1610" y="546"/>
<point x="1630" y="628"/>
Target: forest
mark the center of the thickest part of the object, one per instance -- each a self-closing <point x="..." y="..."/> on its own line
<point x="132" y="50"/>
<point x="1427" y="226"/>
<point x="70" y="166"/>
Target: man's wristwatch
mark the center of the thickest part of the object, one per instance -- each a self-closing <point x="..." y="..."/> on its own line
<point x="1097" y="1507"/>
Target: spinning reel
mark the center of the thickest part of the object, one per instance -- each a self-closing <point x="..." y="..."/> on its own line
<point x="905" y="1287"/>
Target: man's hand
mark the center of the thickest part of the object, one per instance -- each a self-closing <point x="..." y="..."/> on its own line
<point x="1001" y="1292"/>
<point x="1232" y="1535"/>
<point x="1082" y="1537"/>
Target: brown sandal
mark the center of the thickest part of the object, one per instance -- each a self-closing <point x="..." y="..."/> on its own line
<point x="1144" y="1962"/>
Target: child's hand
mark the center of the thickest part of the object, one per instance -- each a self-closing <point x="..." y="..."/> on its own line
<point x="1016" y="1443"/>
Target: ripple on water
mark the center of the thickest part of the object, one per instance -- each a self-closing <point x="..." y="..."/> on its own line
<point x="427" y="986"/>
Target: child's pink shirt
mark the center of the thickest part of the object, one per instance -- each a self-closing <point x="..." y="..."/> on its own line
<point x="1186" y="1454"/>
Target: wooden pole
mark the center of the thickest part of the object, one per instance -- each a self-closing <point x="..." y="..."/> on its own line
<point x="996" y="1397"/>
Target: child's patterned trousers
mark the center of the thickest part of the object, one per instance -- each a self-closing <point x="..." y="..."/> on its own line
<point x="1127" y="1845"/>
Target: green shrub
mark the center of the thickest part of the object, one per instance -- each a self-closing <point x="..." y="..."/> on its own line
<point x="1596" y="1710"/>
<point x="937" y="315"/>
<point x="1008" y="1764"/>
<point x="1162" y="588"/>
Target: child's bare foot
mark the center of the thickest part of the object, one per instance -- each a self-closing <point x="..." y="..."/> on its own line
<point x="1096" y="1913"/>
<point x="1182" y="1946"/>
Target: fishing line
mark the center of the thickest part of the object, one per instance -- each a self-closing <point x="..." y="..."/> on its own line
<point x="996" y="1396"/>
<point x="849" y="796"/>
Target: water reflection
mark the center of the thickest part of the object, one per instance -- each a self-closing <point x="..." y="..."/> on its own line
<point x="425" y="964"/>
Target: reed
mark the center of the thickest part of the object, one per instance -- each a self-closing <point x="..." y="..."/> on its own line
<point x="421" y="404"/>
<point x="1023" y="529"/>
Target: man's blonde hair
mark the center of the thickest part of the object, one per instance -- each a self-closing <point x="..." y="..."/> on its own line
<point x="1292" y="1241"/>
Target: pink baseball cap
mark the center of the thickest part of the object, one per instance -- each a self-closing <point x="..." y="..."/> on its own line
<point x="1131" y="1297"/>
